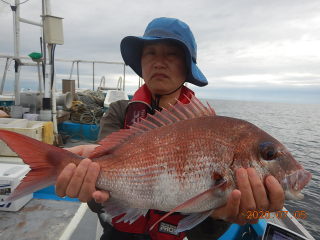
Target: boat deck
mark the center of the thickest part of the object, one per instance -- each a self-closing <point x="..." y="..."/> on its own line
<point x="48" y="219"/>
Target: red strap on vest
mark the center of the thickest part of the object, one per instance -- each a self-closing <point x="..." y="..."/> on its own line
<point x="165" y="229"/>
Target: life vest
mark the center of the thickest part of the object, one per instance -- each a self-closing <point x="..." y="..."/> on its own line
<point x="139" y="107"/>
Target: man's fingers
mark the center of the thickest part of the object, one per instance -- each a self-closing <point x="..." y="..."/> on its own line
<point x="259" y="193"/>
<point x="79" y="182"/>
<point x="88" y="149"/>
<point x="233" y="205"/>
<point x="276" y="195"/>
<point x="76" y="150"/>
<point x="258" y="190"/>
<point x="75" y="184"/>
<point x="231" y="210"/>
<point x="64" y="179"/>
<point x="88" y="185"/>
<point x="82" y="150"/>
<point x="250" y="197"/>
<point x="100" y="196"/>
<point x="247" y="203"/>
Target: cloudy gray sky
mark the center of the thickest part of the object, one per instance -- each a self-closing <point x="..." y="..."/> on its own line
<point x="267" y="50"/>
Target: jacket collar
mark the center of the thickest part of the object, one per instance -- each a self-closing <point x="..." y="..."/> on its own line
<point x="143" y="95"/>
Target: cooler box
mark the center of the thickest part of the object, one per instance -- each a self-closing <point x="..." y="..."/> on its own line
<point x="13" y="123"/>
<point x="10" y="177"/>
<point x="31" y="129"/>
<point x="6" y="100"/>
<point x="11" y="160"/>
<point x="113" y="96"/>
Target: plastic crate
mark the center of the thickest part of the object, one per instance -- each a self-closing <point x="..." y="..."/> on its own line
<point x="13" y="123"/>
<point x="34" y="130"/>
<point x="78" y="130"/>
<point x="10" y="177"/>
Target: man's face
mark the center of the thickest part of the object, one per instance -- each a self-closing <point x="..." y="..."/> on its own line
<point x="164" y="67"/>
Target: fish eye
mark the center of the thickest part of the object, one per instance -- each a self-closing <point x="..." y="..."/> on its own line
<point x="269" y="153"/>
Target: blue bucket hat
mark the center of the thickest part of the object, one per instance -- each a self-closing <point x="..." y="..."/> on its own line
<point x="164" y="29"/>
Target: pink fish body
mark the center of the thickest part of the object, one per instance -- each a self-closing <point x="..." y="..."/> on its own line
<point x="183" y="159"/>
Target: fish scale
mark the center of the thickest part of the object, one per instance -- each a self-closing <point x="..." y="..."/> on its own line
<point x="182" y="159"/>
<point x="174" y="161"/>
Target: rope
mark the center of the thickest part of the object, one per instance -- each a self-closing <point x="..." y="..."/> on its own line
<point x="91" y="98"/>
<point x="88" y="109"/>
<point x="81" y="136"/>
<point x="87" y="116"/>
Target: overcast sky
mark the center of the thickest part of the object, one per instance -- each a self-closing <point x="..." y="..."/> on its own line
<point x="248" y="50"/>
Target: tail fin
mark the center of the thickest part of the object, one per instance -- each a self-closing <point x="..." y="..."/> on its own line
<point x="46" y="162"/>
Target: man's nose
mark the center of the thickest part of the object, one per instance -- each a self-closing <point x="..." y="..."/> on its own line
<point x="159" y="60"/>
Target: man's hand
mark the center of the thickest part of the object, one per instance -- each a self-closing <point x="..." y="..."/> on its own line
<point x="250" y="197"/>
<point x="83" y="150"/>
<point x="79" y="181"/>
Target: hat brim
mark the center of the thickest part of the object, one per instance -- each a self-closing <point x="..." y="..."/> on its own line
<point x="131" y="50"/>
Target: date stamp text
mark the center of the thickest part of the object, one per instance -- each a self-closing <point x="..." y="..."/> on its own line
<point x="279" y="215"/>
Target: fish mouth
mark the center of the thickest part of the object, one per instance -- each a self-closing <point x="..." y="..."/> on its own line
<point x="294" y="183"/>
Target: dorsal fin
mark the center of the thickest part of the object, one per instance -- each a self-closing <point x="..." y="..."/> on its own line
<point x="175" y="113"/>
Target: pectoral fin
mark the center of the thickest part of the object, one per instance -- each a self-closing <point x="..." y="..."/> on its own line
<point x="115" y="208"/>
<point x="193" y="220"/>
<point x="193" y="202"/>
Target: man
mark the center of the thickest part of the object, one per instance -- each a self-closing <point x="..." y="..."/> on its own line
<point x="165" y="57"/>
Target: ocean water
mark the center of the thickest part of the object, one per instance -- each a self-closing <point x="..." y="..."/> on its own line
<point x="297" y="126"/>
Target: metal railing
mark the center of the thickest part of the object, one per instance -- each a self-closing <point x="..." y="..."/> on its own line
<point x="8" y="57"/>
<point x="103" y="87"/>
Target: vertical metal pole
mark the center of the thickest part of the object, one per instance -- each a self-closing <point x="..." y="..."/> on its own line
<point x="17" y="84"/>
<point x="93" y="78"/>
<point x="78" y="74"/>
<point x="4" y="76"/>
<point x="71" y="71"/>
<point x="124" y="77"/>
<point x="48" y="7"/>
<point x="50" y="56"/>
<point x="54" y="105"/>
<point x="16" y="16"/>
<point x="53" y="93"/>
<point x="44" y="44"/>
<point x="16" y="32"/>
<point x="40" y="87"/>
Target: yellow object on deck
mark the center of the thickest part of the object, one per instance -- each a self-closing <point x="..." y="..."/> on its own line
<point x="47" y="134"/>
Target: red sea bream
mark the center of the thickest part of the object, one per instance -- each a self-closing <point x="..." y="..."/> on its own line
<point x="182" y="159"/>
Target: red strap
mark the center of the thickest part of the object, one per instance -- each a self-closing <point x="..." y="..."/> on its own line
<point x="136" y="110"/>
<point x="165" y="229"/>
